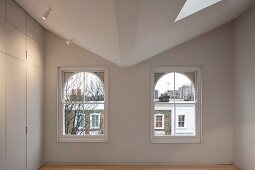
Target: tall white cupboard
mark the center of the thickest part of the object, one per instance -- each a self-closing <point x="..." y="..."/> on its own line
<point x="21" y="89"/>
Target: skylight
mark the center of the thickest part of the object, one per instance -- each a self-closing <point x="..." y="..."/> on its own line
<point x="192" y="6"/>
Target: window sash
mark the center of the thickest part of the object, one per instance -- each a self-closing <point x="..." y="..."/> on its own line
<point x="159" y="70"/>
<point x="88" y="138"/>
<point x="181" y="124"/>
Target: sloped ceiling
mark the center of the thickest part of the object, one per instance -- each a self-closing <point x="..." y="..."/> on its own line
<point x="127" y="32"/>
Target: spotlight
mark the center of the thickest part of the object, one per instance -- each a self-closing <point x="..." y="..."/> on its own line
<point x="46" y="14"/>
<point x="68" y="42"/>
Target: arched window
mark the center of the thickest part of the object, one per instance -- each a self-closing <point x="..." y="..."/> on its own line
<point x="176" y="97"/>
<point x="82" y="106"/>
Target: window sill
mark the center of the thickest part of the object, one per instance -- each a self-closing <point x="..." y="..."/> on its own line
<point x="87" y="139"/>
<point x="176" y="140"/>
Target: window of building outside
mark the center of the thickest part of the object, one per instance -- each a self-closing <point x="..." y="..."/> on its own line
<point x="95" y="121"/>
<point x="83" y="105"/>
<point x="176" y="102"/>
<point x="181" y="120"/>
<point x="159" y="121"/>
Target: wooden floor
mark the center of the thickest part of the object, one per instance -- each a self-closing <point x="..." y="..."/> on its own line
<point x="122" y="167"/>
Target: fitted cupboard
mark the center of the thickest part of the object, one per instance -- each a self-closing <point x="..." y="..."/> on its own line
<point x="21" y="89"/>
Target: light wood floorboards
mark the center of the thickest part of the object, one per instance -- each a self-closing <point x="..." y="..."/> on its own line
<point x="122" y="167"/>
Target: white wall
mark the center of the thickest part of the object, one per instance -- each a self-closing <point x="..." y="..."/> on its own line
<point x="244" y="83"/>
<point x="129" y="121"/>
<point x="21" y="92"/>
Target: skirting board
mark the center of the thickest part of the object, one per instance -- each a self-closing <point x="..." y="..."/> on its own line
<point x="236" y="165"/>
<point x="140" y="163"/>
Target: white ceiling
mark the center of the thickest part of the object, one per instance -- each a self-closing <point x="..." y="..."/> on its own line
<point x="127" y="32"/>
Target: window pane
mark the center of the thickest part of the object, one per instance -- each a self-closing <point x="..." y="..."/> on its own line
<point x="78" y="119"/>
<point x="159" y="124"/>
<point x="159" y="118"/>
<point x="164" y="88"/>
<point x="83" y="86"/>
<point x="74" y="119"/>
<point x="73" y="89"/>
<point x="184" y="88"/>
<point x="93" y="87"/>
<point x="185" y="119"/>
<point x="95" y="122"/>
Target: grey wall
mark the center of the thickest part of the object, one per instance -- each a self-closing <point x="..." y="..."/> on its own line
<point x="244" y="83"/>
<point x="21" y="89"/>
<point x="129" y="116"/>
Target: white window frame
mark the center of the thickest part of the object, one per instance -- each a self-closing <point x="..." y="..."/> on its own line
<point x="198" y="112"/>
<point x="91" y="120"/>
<point x="163" y="121"/>
<point x="60" y="116"/>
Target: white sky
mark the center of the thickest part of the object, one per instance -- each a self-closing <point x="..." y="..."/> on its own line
<point x="167" y="82"/>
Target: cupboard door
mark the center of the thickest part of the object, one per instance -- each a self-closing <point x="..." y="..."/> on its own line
<point x="34" y="117"/>
<point x="2" y="111"/>
<point x="34" y="30"/>
<point x="15" y="114"/>
<point x="15" y="15"/>
<point x="34" y="53"/>
<point x="15" y="42"/>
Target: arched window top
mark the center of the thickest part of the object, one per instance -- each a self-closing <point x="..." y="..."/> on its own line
<point x="174" y="86"/>
<point x="83" y="87"/>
